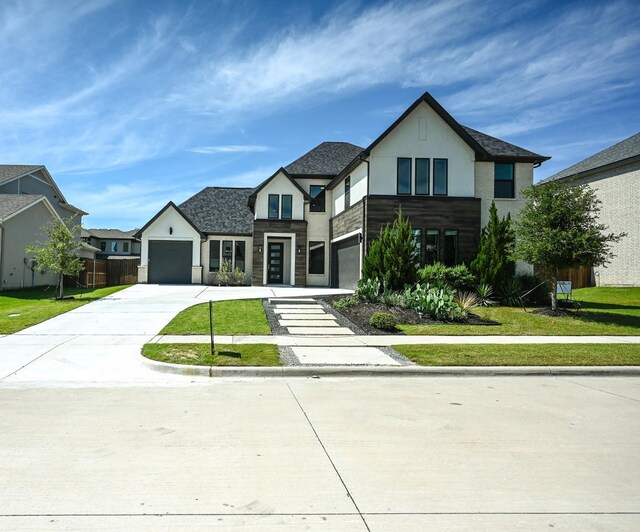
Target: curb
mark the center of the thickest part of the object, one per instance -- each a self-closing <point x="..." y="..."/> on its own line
<point x="392" y="371"/>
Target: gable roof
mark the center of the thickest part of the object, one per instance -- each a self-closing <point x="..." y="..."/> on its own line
<point x="110" y="233"/>
<point x="169" y="205"/>
<point x="497" y="148"/>
<point x="326" y="159"/>
<point x="623" y="150"/>
<point x="220" y="210"/>
<point x="10" y="204"/>
<point x="11" y="171"/>
<point x="252" y="197"/>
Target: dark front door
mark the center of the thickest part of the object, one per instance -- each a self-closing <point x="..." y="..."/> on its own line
<point x="275" y="263"/>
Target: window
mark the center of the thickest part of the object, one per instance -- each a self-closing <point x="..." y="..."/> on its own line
<point x="125" y="247"/>
<point x="227" y="250"/>
<point x="103" y="246"/>
<point x="404" y="175"/>
<point x="431" y="246"/>
<point x="274" y="206"/>
<point x="440" y="177"/>
<point x="316" y="257"/>
<point x="240" y="247"/>
<point x="422" y="176"/>
<point x="503" y="185"/>
<point x="114" y="247"/>
<point x="318" y="195"/>
<point x="417" y="242"/>
<point x="287" y="201"/>
<point x="347" y="192"/>
<point x="214" y="255"/>
<point x="450" y="248"/>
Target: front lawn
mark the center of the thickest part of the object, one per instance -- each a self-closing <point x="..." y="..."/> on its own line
<point x="605" y="311"/>
<point x="236" y="317"/>
<point x="225" y="355"/>
<point x="523" y="355"/>
<point x="20" y="309"/>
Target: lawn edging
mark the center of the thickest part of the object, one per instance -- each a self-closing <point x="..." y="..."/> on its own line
<point x="391" y="371"/>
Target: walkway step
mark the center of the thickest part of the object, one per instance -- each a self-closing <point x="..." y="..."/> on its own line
<point x="317" y="310"/>
<point x="329" y="331"/>
<point x="293" y="307"/>
<point x="311" y="317"/>
<point x="291" y="301"/>
<point x="352" y="356"/>
<point x="308" y="323"/>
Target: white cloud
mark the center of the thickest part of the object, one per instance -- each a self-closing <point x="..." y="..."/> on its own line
<point x="230" y="148"/>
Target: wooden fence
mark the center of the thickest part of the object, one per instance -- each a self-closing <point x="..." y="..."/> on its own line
<point x="98" y="273"/>
<point x="122" y="270"/>
<point x="580" y="277"/>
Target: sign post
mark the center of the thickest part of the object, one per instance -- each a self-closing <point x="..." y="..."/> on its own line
<point x="211" y="326"/>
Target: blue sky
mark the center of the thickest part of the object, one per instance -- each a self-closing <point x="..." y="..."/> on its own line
<point x="132" y="104"/>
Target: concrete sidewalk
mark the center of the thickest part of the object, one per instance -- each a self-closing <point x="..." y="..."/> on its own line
<point x="391" y="340"/>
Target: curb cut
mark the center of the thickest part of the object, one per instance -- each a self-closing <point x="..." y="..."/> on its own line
<point x="392" y="371"/>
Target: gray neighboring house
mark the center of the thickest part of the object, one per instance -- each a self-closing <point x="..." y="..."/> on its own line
<point x="29" y="200"/>
<point x="112" y="242"/>
<point x="614" y="174"/>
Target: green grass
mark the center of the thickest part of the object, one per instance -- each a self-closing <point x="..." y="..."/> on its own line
<point x="225" y="355"/>
<point x="605" y="311"/>
<point x="523" y="355"/>
<point x="35" y="305"/>
<point x="237" y="317"/>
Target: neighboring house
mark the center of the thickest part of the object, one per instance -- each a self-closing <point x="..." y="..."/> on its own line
<point x="614" y="175"/>
<point x="311" y="222"/>
<point x="112" y="242"/>
<point x="29" y="200"/>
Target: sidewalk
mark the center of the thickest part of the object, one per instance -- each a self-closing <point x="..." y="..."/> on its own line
<point x="390" y="340"/>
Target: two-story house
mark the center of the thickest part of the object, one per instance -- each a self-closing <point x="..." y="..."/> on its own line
<point x="311" y="221"/>
<point x="112" y="242"/>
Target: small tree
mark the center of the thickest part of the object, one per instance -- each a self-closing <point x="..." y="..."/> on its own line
<point x="558" y="228"/>
<point x="391" y="258"/>
<point x="493" y="264"/>
<point x="60" y="253"/>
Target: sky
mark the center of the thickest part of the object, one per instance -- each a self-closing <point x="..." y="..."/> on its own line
<point x="131" y="104"/>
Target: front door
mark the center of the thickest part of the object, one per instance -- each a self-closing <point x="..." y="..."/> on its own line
<point x="275" y="263"/>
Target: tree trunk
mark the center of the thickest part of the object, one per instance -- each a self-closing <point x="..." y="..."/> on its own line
<point x="554" y="292"/>
<point x="61" y="284"/>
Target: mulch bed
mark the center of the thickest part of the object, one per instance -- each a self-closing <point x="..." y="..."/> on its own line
<point x="361" y="313"/>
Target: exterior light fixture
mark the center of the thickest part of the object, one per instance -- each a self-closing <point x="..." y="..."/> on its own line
<point x="170" y="230"/>
<point x="259" y="249"/>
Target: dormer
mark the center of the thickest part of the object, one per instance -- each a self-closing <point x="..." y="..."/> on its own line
<point x="279" y="198"/>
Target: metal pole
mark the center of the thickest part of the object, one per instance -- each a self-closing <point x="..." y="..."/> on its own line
<point x="211" y="326"/>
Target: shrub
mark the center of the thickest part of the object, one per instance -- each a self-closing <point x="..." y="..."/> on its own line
<point x="510" y="292"/>
<point x="368" y="290"/>
<point x="541" y="295"/>
<point x="466" y="301"/>
<point x="345" y="302"/>
<point x="437" y="303"/>
<point x="238" y="277"/>
<point x="485" y="295"/>
<point x="383" y="320"/>
<point x="392" y="299"/>
<point x="457" y="277"/>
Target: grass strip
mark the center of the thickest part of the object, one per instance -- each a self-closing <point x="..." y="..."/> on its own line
<point x="225" y="355"/>
<point x="523" y="354"/>
<point x="236" y="317"/>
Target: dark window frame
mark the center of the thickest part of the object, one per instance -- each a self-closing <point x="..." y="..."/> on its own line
<point x="103" y="245"/>
<point x="319" y="200"/>
<point x="318" y="243"/>
<point x="125" y="247"/>
<point x="446" y="177"/>
<point x="212" y="256"/>
<point x="282" y="201"/>
<point x="409" y="178"/>
<point x="428" y="162"/>
<point x="277" y="209"/>
<point x="347" y="192"/>
<point x="427" y="234"/>
<point x="417" y="240"/>
<point x="457" y="248"/>
<point x="512" y="181"/>
<point x="243" y="253"/>
<point x="223" y="255"/>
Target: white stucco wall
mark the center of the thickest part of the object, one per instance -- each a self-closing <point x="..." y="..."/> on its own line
<point x="619" y="191"/>
<point x="279" y="185"/>
<point x="358" y="188"/>
<point x="422" y="134"/>
<point x="317" y="230"/>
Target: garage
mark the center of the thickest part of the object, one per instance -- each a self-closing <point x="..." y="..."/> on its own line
<point x="170" y="262"/>
<point x="345" y="261"/>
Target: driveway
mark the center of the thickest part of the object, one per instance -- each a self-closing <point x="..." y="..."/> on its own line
<point x="100" y="341"/>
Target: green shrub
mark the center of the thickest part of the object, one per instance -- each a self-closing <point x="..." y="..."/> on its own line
<point x="485" y="295"/>
<point x="456" y="277"/>
<point x="437" y="303"/>
<point x="383" y="320"/>
<point x="368" y="290"/>
<point x="345" y="302"/>
<point x="510" y="292"/>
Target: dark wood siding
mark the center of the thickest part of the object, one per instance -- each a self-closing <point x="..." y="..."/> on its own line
<point x="298" y="227"/>
<point x="442" y="213"/>
<point x="348" y="221"/>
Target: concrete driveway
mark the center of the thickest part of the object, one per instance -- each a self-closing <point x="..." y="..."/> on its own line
<point x="99" y="342"/>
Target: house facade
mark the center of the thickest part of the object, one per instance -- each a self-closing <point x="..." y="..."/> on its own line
<point x="614" y="175"/>
<point x="112" y="242"/>
<point x="311" y="222"/>
<point x="29" y="200"/>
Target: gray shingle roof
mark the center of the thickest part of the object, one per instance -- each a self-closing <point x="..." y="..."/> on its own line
<point x="328" y="158"/>
<point x="12" y="203"/>
<point x="9" y="171"/>
<point x="220" y="210"/>
<point x="499" y="148"/>
<point x="625" y="149"/>
<point x="110" y="233"/>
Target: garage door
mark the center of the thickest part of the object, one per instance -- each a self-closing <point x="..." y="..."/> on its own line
<point x="170" y="262"/>
<point x="346" y="263"/>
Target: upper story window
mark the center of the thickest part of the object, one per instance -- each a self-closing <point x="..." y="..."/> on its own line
<point x="287" y="207"/>
<point x="114" y="247"/>
<point x="404" y="175"/>
<point x="440" y="177"/>
<point x="125" y="247"/>
<point x="318" y="196"/>
<point x="503" y="184"/>
<point x="347" y="192"/>
<point x="422" y="176"/>
<point x="274" y="206"/>
<point x="103" y="246"/>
